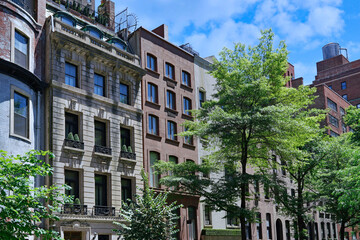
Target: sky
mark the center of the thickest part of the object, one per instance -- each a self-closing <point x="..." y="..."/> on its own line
<point x="210" y="25"/>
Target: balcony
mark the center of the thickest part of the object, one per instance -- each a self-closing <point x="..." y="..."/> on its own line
<point x="102" y="150"/>
<point x="74" y="209"/>
<point x="73" y="144"/>
<point x="128" y="155"/>
<point x="64" y="30"/>
<point x="103" y="211"/>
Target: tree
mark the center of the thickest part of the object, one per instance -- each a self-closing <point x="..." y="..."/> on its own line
<point x="149" y="217"/>
<point x="338" y="182"/>
<point x="22" y="205"/>
<point x="352" y="119"/>
<point x="302" y="166"/>
<point x="253" y="115"/>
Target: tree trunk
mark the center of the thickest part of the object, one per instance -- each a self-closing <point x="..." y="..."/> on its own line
<point x="300" y="218"/>
<point x="243" y="206"/>
<point x="342" y="231"/>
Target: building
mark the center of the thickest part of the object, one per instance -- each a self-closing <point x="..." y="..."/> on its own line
<point x="93" y="116"/>
<point x="168" y="93"/>
<point x="21" y="76"/>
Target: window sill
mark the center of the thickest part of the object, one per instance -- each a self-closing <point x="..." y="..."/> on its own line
<point x="171" y="112"/>
<point x="188" y="146"/>
<point x="186" y="87"/>
<point x="152" y="72"/>
<point x="153" y="136"/>
<point x="127" y="160"/>
<point x="20" y="137"/>
<point x="71" y="149"/>
<point x="172" y="142"/>
<point x="186" y="116"/>
<point x="170" y="82"/>
<point x="102" y="155"/>
<point x="152" y="104"/>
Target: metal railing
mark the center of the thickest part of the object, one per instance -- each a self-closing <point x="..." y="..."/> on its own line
<point x="74" y="209"/>
<point x="103" y="211"/>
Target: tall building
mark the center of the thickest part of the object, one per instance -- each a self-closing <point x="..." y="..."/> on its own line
<point x="93" y="116"/>
<point x="21" y="76"/>
<point x="168" y="95"/>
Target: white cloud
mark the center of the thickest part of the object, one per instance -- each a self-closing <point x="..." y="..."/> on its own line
<point x="224" y="36"/>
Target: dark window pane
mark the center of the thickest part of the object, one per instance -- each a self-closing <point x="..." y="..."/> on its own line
<point x="154" y="177"/>
<point x="71" y="124"/>
<point x="100" y="133"/>
<point x="151" y="62"/>
<point x="170" y="100"/>
<point x="72" y="180"/>
<point x="21" y="119"/>
<point x="153" y="125"/>
<point x="171" y="130"/>
<point x="201" y="98"/>
<point x="187" y="106"/>
<point x="124" y="93"/>
<point x="169" y="71"/>
<point x="101" y="190"/>
<point x="125" y="137"/>
<point x="126" y="192"/>
<point x="152" y="93"/>
<point x="186" y="78"/>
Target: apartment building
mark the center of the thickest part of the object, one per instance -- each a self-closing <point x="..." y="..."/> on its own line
<point x="21" y="76"/>
<point x="93" y="116"/>
<point x="168" y="95"/>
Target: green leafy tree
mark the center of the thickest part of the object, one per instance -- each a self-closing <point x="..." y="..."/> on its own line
<point x="253" y="114"/>
<point x="302" y="166"/>
<point x="22" y="207"/>
<point x="149" y="217"/>
<point x="352" y="119"/>
<point x="339" y="182"/>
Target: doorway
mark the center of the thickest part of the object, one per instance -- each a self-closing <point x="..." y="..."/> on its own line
<point x="73" y="235"/>
<point x="279" y="230"/>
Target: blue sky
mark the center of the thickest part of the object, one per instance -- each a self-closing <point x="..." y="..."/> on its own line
<point x="210" y="25"/>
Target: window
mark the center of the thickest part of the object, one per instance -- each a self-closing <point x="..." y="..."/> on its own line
<point x="343" y="127"/>
<point x="332" y="105"/>
<point x="287" y="230"/>
<point x="154" y="177"/>
<point x="207" y="215"/>
<point x="101" y="237"/>
<point x="152" y="93"/>
<point x="333" y="121"/>
<point x="71" y="74"/>
<point x="283" y="169"/>
<point x="126" y="191"/>
<point x="192" y="223"/>
<point x="170" y="100"/>
<point x="171" y="130"/>
<point x="268" y="226"/>
<point x="124" y="93"/>
<point x="201" y="98"/>
<point x="334" y="230"/>
<point x="316" y="231"/>
<point x="247" y="229"/>
<point x="257" y="192"/>
<point x="328" y="230"/>
<point x="259" y="226"/>
<point x="125" y="137"/>
<point x="343" y="85"/>
<point x="101" y="190"/>
<point x="188" y="139"/>
<point x="21" y="115"/>
<point x="330" y="86"/>
<point x="169" y="71"/>
<point x="72" y="180"/>
<point x="342" y="111"/>
<point x="358" y="105"/>
<point x="345" y="96"/>
<point x="187" y="106"/>
<point x="21" y="50"/>
<point x="186" y="78"/>
<point x="292" y="192"/>
<point x="99" y="84"/>
<point x="153" y="125"/>
<point x="71" y="124"/>
<point x="100" y="133"/>
<point x="68" y="20"/>
<point x="151" y="62"/>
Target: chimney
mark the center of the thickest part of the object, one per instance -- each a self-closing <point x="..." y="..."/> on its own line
<point x="107" y="8"/>
<point x="162" y="31"/>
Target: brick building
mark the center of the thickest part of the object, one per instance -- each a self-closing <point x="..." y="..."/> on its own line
<point x="168" y="93"/>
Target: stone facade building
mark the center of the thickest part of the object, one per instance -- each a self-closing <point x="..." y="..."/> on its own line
<point x="94" y="121"/>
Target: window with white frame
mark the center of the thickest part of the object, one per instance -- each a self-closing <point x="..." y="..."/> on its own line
<point x="21" y="50"/>
<point x="21" y="115"/>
